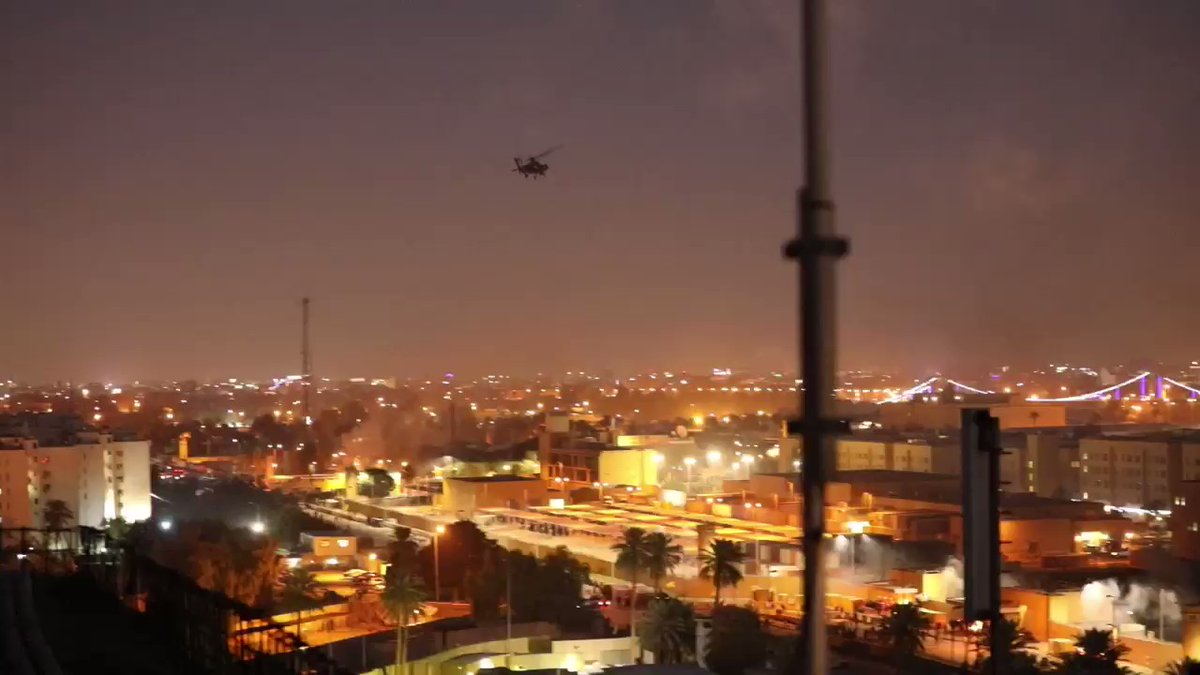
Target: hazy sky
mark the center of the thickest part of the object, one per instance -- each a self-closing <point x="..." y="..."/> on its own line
<point x="1020" y="180"/>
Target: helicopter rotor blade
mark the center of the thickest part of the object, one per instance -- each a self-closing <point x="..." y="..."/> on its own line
<point x="547" y="152"/>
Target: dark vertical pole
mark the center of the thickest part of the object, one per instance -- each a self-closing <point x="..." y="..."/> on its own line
<point x="306" y="384"/>
<point x="305" y="361"/>
<point x="817" y="248"/>
<point x="981" y="515"/>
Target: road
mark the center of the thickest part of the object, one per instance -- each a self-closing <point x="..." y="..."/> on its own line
<point x="354" y="522"/>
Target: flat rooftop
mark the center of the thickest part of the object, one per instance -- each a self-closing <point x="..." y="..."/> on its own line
<point x="495" y="479"/>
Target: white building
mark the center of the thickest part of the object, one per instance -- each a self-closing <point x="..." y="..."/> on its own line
<point x="96" y="477"/>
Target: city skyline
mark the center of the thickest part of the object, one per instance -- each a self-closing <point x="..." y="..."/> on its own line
<point x="176" y="180"/>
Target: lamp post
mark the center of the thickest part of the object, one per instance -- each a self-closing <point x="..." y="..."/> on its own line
<point x="508" y="565"/>
<point x="689" y="462"/>
<point x="857" y="528"/>
<point x="1113" y="598"/>
<point x="437" y="564"/>
<point x="1162" y="603"/>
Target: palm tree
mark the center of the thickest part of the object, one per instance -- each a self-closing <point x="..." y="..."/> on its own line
<point x="298" y="590"/>
<point x="1009" y="651"/>
<point x="737" y="642"/>
<point x="115" y="529"/>
<point x="631" y="558"/>
<point x="719" y="564"/>
<point x="1095" y="654"/>
<point x="56" y="516"/>
<point x="669" y="629"/>
<point x="905" y="630"/>
<point x="663" y="555"/>
<point x="403" y="595"/>
<point x="1187" y="666"/>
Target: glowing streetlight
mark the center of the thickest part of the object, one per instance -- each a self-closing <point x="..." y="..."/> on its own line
<point x="713" y="456"/>
<point x="437" y="567"/>
<point x="855" y="527"/>
<point x="258" y="527"/>
<point x="164" y="525"/>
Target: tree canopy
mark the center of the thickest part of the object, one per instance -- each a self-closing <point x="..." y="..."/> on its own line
<point x="737" y="642"/>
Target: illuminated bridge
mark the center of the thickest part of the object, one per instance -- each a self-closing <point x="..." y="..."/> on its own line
<point x="1142" y="383"/>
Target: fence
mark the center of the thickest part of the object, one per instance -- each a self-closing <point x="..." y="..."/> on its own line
<point x="198" y="623"/>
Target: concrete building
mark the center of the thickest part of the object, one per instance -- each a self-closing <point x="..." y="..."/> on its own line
<point x="943" y="416"/>
<point x="1044" y="462"/>
<point x="1144" y="470"/>
<point x="629" y="467"/>
<point x="1185" y="521"/>
<point x="917" y="454"/>
<point x="97" y="477"/>
<point x="462" y="496"/>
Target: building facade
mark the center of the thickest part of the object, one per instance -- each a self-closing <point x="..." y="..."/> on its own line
<point x="1142" y="470"/>
<point x="96" y="477"/>
<point x="941" y="455"/>
<point x="1185" y="521"/>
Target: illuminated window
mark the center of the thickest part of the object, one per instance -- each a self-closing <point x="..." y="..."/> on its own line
<point x="343" y="543"/>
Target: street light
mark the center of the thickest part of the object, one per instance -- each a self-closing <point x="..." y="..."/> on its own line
<point x="258" y="527"/>
<point x="437" y="567"/>
<point x="164" y="525"/>
<point x="1114" y="599"/>
<point x="856" y="528"/>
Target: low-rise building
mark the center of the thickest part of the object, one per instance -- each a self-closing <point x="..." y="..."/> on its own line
<point x="462" y="496"/>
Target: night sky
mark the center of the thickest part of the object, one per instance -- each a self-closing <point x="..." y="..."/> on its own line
<point x="1020" y="181"/>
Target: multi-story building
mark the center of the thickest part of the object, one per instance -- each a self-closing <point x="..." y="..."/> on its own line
<point x="95" y="476"/>
<point x="1143" y="470"/>
<point x="946" y="416"/>
<point x="1044" y="462"/>
<point x="933" y="454"/>
<point x="1185" y="521"/>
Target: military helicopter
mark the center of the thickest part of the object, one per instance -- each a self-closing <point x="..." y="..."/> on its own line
<point x="532" y="166"/>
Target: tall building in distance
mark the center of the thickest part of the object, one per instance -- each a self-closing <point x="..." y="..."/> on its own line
<point x="96" y="476"/>
<point x="1138" y="469"/>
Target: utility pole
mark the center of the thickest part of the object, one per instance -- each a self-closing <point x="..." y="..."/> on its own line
<point x="508" y="565"/>
<point x="981" y="522"/>
<point x="816" y="248"/>
<point x="305" y="362"/>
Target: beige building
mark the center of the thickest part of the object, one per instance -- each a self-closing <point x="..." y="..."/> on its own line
<point x="1144" y="470"/>
<point x="1185" y="521"/>
<point x="630" y="467"/>
<point x="943" y="456"/>
<point x="97" y="478"/>
<point x="856" y="455"/>
<point x="912" y="415"/>
<point x="462" y="496"/>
